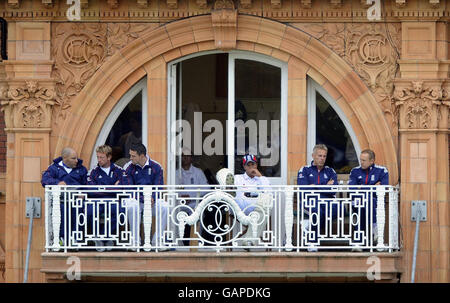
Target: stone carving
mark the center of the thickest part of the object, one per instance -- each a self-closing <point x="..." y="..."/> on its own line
<point x="223" y="4"/>
<point x="224" y="22"/>
<point x="120" y="35"/>
<point x="142" y="3"/>
<point x="113" y="4"/>
<point x="275" y="3"/>
<point x="332" y="34"/>
<point x="13" y="3"/>
<point x="202" y="4"/>
<point x="28" y="106"/>
<point x="79" y="49"/>
<point x="172" y="4"/>
<point x="336" y="3"/>
<point x="305" y="3"/>
<point x="418" y="104"/>
<point x="245" y="4"/>
<point x="373" y="51"/>
<point x="400" y="3"/>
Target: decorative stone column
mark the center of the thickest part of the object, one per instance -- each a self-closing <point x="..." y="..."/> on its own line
<point x="423" y="108"/>
<point x="422" y="98"/>
<point x="27" y="95"/>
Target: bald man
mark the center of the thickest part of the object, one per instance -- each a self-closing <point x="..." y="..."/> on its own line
<point x="65" y="170"/>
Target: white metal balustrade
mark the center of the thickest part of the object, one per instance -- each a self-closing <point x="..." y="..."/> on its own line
<point x="285" y="218"/>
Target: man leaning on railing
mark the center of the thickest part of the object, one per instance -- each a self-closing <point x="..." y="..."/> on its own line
<point x="318" y="174"/>
<point x="65" y="170"/>
<point x="368" y="173"/>
<point x="141" y="170"/>
<point x="105" y="173"/>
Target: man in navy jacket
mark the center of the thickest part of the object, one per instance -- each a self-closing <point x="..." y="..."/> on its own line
<point x="318" y="174"/>
<point x="66" y="170"/>
<point x="142" y="170"/>
<point x="369" y="174"/>
<point x="106" y="173"/>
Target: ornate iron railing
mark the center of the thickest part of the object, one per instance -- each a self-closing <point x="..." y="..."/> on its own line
<point x="281" y="218"/>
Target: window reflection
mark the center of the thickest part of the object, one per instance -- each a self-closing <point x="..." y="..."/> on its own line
<point x="126" y="130"/>
<point x="258" y="104"/>
<point x="332" y="132"/>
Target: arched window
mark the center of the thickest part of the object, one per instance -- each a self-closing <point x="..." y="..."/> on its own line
<point x="227" y="104"/>
<point x="126" y="124"/>
<point x="327" y="124"/>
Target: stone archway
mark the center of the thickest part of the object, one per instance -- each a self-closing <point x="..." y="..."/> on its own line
<point x="149" y="55"/>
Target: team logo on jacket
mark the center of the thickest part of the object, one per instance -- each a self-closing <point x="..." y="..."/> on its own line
<point x="100" y="177"/>
<point x="373" y="178"/>
<point x="325" y="176"/>
<point x="149" y="171"/>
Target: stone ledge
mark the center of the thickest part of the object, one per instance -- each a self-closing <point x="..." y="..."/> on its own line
<point x="238" y="265"/>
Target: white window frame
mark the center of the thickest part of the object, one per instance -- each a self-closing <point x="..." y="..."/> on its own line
<point x="313" y="88"/>
<point x="232" y="56"/>
<point x="140" y="86"/>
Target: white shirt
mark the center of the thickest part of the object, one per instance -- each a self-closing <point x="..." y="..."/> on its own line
<point x="106" y="170"/>
<point x="243" y="180"/>
<point x="67" y="169"/>
<point x="193" y="175"/>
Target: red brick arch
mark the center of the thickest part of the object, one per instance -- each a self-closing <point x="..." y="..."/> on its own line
<point x="149" y="55"/>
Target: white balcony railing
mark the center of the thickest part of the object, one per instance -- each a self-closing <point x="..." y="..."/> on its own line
<point x="286" y="218"/>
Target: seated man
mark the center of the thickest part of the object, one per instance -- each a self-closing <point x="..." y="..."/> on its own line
<point x="188" y="174"/>
<point x="142" y="170"/>
<point x="319" y="174"/>
<point x="369" y="174"/>
<point x="106" y="173"/>
<point x="246" y="196"/>
<point x="65" y="170"/>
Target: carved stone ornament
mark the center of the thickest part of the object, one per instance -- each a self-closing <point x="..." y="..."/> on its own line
<point x="79" y="50"/>
<point x="29" y="105"/>
<point x="224" y="22"/>
<point x="419" y="105"/>
<point x="372" y="50"/>
<point x="13" y="3"/>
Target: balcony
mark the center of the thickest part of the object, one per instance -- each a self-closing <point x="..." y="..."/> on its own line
<point x="292" y="232"/>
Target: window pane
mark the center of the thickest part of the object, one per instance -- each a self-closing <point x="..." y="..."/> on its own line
<point x="332" y="132"/>
<point x="126" y="130"/>
<point x="258" y="106"/>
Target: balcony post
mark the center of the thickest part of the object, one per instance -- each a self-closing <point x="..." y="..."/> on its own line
<point x="380" y="191"/>
<point x="148" y="217"/>
<point x="289" y="217"/>
<point x="56" y="217"/>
